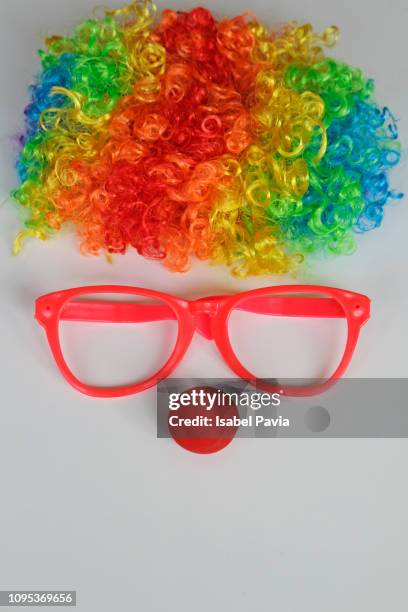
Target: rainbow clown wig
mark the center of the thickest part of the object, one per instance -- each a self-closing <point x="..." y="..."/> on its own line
<point x="187" y="136"/>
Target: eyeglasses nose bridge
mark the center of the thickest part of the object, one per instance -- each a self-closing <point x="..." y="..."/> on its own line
<point x="203" y="311"/>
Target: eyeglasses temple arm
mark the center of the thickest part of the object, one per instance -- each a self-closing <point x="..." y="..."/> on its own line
<point x="294" y="306"/>
<point x="116" y="312"/>
<point x="122" y="312"/>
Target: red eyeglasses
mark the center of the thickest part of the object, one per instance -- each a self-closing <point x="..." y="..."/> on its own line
<point x="257" y="333"/>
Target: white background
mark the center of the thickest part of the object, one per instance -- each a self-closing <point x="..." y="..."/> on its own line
<point x="92" y="501"/>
